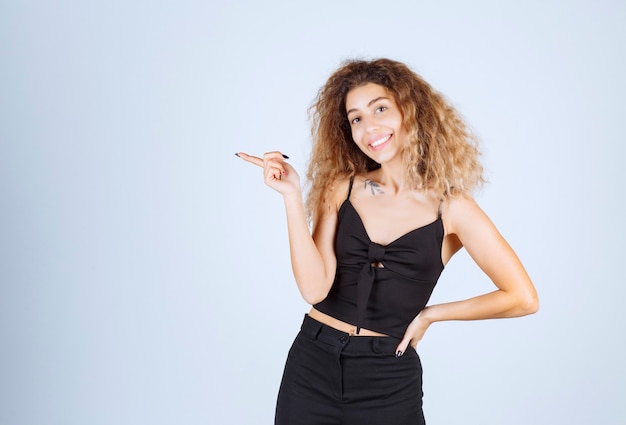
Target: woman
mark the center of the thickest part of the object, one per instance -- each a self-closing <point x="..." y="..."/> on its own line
<point x="392" y="171"/>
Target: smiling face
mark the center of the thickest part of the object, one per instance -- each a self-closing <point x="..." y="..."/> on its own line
<point x="376" y="122"/>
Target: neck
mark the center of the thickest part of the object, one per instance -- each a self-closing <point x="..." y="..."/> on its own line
<point x="392" y="176"/>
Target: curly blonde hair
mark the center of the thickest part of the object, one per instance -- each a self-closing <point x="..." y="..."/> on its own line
<point x="442" y="155"/>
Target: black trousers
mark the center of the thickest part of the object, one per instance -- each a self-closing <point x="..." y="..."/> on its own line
<point x="333" y="378"/>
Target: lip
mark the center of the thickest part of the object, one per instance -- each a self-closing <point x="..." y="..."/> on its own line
<point x="372" y="144"/>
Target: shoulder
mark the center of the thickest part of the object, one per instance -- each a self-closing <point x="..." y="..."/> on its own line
<point x="326" y="215"/>
<point x="458" y="203"/>
<point x="335" y="194"/>
<point x="460" y="212"/>
<point x="467" y="225"/>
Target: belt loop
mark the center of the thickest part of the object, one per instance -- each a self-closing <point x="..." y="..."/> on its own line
<point x="375" y="345"/>
<point x="313" y="327"/>
<point x="317" y="330"/>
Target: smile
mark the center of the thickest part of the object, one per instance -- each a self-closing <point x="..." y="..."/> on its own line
<point x="379" y="142"/>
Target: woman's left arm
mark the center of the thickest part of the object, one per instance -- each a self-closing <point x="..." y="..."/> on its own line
<point x="515" y="294"/>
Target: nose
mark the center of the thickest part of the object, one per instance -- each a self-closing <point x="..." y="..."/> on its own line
<point x="371" y="125"/>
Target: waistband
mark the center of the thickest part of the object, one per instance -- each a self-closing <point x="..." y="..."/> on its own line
<point x="329" y="335"/>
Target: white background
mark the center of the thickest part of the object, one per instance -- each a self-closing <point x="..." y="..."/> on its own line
<point x="144" y="270"/>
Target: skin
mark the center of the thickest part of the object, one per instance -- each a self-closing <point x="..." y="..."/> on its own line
<point x="389" y="209"/>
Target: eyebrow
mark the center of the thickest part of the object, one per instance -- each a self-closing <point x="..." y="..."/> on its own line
<point x="368" y="104"/>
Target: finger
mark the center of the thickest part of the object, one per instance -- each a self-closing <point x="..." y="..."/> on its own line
<point x="275" y="154"/>
<point x="276" y="165"/>
<point x="272" y="175"/>
<point x="273" y="170"/>
<point x="401" y="348"/>
<point x="251" y="159"/>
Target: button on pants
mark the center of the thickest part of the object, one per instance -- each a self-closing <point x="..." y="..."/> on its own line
<point x="333" y="378"/>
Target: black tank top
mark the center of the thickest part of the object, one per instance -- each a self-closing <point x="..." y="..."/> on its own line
<point x="383" y="299"/>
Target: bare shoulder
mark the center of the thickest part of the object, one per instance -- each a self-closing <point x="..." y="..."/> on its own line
<point x="459" y="203"/>
<point x="461" y="212"/>
<point x="338" y="192"/>
<point x="335" y="195"/>
<point x="326" y="216"/>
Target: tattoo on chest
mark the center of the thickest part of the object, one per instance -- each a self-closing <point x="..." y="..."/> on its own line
<point x="374" y="187"/>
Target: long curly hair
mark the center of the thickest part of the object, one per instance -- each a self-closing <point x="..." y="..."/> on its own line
<point x="442" y="155"/>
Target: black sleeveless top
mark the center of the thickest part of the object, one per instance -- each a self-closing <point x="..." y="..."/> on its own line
<point x="383" y="299"/>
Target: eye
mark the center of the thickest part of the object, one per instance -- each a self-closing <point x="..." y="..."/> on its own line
<point x="381" y="109"/>
<point x="355" y="120"/>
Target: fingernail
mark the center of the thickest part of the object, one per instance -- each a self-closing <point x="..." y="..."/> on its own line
<point x="285" y="156"/>
<point x="236" y="154"/>
<point x="399" y="353"/>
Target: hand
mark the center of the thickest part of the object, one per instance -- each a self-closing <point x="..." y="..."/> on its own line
<point x="278" y="174"/>
<point x="414" y="333"/>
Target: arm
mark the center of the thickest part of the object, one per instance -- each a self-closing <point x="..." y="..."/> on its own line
<point x="312" y="255"/>
<point x="515" y="295"/>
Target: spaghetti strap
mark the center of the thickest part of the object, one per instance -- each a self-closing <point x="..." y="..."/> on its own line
<point x="350" y="187"/>
<point x="439" y="208"/>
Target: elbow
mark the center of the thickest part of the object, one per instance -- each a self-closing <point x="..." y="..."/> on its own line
<point x="316" y="290"/>
<point x="313" y="298"/>
<point x="529" y="305"/>
<point x="535" y="306"/>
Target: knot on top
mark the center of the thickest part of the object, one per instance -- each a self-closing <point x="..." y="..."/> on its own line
<point x="375" y="252"/>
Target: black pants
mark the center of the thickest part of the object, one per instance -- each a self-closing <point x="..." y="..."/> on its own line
<point x="333" y="378"/>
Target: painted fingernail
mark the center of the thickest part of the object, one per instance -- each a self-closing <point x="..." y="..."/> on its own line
<point x="285" y="156"/>
<point x="236" y="154"/>
<point x="399" y="353"/>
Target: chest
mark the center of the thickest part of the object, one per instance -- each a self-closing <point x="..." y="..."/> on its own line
<point x="386" y="221"/>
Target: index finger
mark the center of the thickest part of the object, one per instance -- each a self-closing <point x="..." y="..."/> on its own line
<point x="251" y="159"/>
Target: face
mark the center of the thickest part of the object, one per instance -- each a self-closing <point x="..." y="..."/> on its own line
<point x="376" y="122"/>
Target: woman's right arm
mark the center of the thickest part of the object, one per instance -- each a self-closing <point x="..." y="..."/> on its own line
<point x="312" y="255"/>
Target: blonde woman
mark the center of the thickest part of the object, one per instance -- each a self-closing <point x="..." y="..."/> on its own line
<point x="391" y="177"/>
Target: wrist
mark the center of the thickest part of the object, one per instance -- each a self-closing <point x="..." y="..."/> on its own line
<point x="293" y="197"/>
<point x="427" y="315"/>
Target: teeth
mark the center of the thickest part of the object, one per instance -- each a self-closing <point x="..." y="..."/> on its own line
<point x="380" y="141"/>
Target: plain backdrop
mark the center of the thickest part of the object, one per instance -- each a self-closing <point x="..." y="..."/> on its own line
<point x="144" y="269"/>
